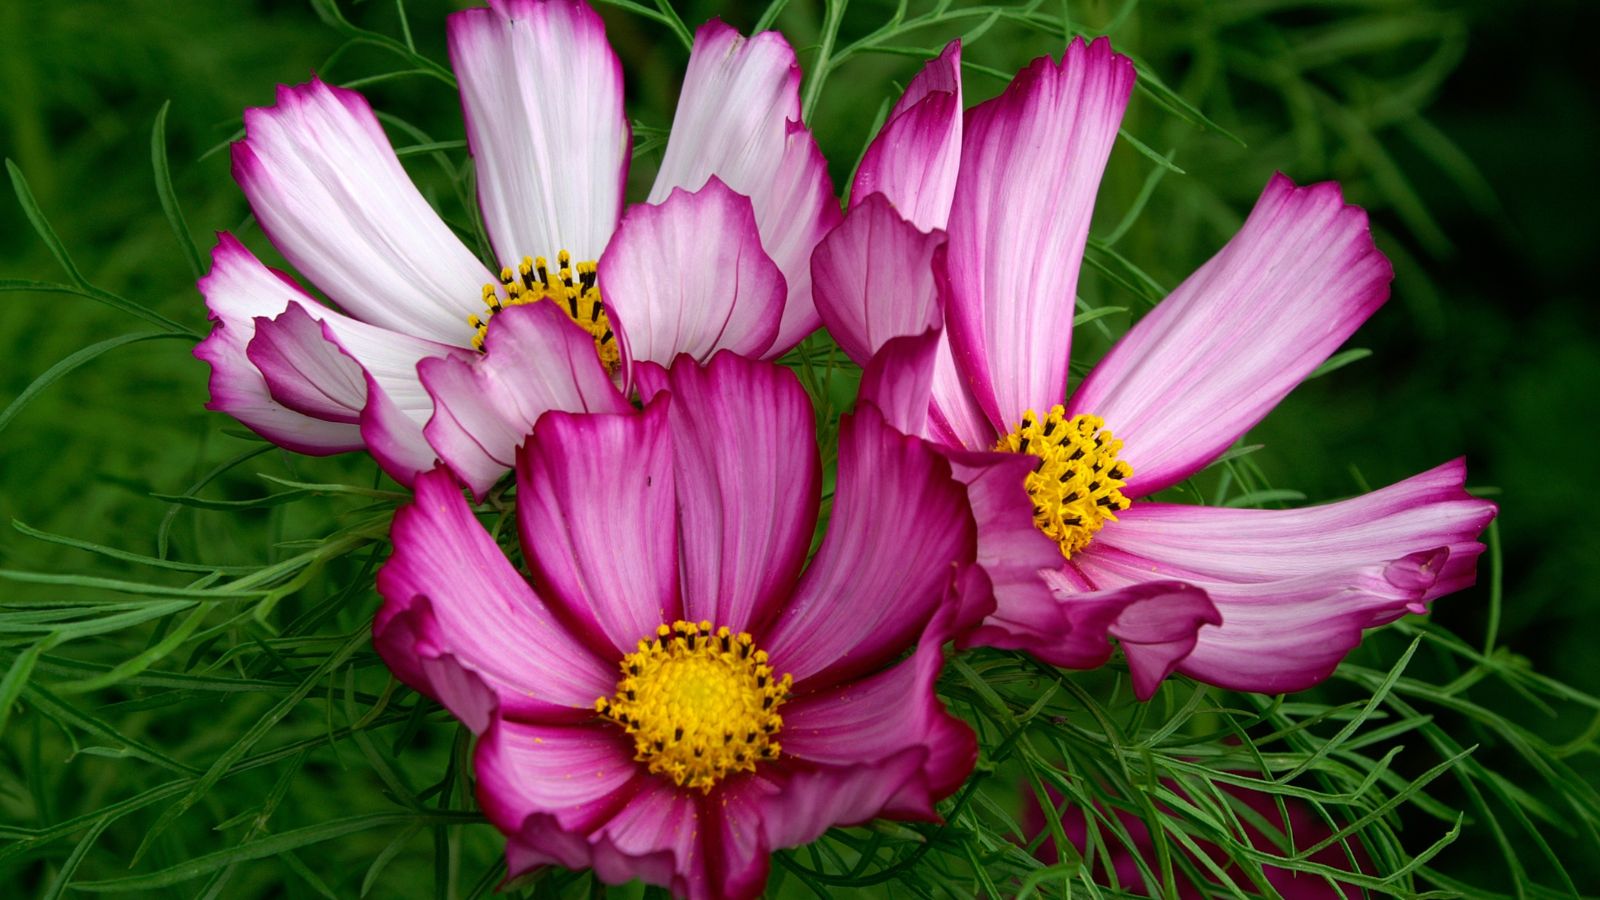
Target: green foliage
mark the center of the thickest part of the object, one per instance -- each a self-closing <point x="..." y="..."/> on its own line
<point x="190" y="705"/>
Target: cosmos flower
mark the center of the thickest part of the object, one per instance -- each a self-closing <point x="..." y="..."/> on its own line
<point x="671" y="698"/>
<point x="959" y="259"/>
<point x="541" y="90"/>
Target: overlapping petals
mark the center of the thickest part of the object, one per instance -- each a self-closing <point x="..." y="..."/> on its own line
<point x="741" y="201"/>
<point x="700" y="505"/>
<point x="1247" y="599"/>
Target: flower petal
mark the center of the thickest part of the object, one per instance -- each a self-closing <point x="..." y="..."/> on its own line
<point x="1423" y="512"/>
<point x="738" y="118"/>
<point x="872" y="279"/>
<point x="1288" y="634"/>
<point x="237" y="290"/>
<point x="595" y="508"/>
<point x="747" y="477"/>
<point x="1231" y="341"/>
<point x="330" y="192"/>
<point x="689" y="276"/>
<point x="899" y="530"/>
<point x="1156" y="623"/>
<point x="1030" y="167"/>
<point x="542" y="93"/>
<point x="449" y="592"/>
<point x="899" y="379"/>
<point x="915" y="158"/>
<point x="534" y="360"/>
<point x="576" y="775"/>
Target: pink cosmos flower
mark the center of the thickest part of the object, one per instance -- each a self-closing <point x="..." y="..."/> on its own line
<point x="541" y="91"/>
<point x="672" y="698"/>
<point x="977" y="223"/>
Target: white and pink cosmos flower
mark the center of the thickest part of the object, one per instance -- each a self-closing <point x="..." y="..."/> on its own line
<point x="676" y="692"/>
<point x="957" y="265"/>
<point x="741" y="198"/>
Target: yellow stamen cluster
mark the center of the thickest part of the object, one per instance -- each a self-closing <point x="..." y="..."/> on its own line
<point x="574" y="289"/>
<point x="1077" y="484"/>
<point x="699" y="704"/>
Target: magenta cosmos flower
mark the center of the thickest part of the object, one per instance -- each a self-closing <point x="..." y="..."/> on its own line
<point x="978" y="222"/>
<point x="541" y="91"/>
<point x="672" y="698"/>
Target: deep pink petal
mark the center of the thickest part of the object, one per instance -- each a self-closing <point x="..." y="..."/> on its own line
<point x="238" y="289"/>
<point x="328" y="189"/>
<point x="872" y="279"/>
<point x="534" y="360"/>
<point x="595" y="507"/>
<point x="542" y="93"/>
<point x="1030" y="167"/>
<point x="738" y="118"/>
<point x="1231" y="341"/>
<point x="900" y="530"/>
<point x="898" y="380"/>
<point x="1423" y="512"/>
<point x="915" y="158"/>
<point x="449" y="591"/>
<point x="689" y="276"/>
<point x="578" y="775"/>
<point x="747" y="476"/>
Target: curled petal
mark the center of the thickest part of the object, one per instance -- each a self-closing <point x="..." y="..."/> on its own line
<point x="548" y="179"/>
<point x="738" y="118"/>
<point x="330" y="192"/>
<point x="872" y="279"/>
<point x="453" y="602"/>
<point x="534" y="360"/>
<point x="915" y="158"/>
<point x="1030" y="167"/>
<point x="689" y="277"/>
<point x="1231" y="341"/>
<point x="898" y="380"/>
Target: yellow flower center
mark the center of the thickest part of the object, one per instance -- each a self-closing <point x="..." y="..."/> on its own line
<point x="574" y="290"/>
<point x="699" y="704"/>
<point x="1077" y="484"/>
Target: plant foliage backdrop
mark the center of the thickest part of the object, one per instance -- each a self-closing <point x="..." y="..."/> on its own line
<point x="189" y="702"/>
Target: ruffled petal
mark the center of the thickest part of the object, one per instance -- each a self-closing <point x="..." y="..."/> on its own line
<point x="534" y="360"/>
<point x="900" y="530"/>
<point x="915" y="158"/>
<point x="689" y="276"/>
<point x="238" y="289"/>
<point x="542" y="93"/>
<point x="1423" y="512"/>
<point x="738" y="118"/>
<point x="872" y="279"/>
<point x="747" y="476"/>
<point x="1156" y="623"/>
<point x="1231" y="341"/>
<point x="457" y="618"/>
<point x="1030" y="167"/>
<point x="595" y="508"/>
<point x="330" y="192"/>
<point x="1288" y="634"/>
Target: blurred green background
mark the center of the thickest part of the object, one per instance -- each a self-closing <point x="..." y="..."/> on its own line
<point x="1466" y="129"/>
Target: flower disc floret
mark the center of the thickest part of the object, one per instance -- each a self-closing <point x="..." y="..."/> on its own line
<point x="699" y="704"/>
<point x="1076" y="486"/>
<point x="574" y="289"/>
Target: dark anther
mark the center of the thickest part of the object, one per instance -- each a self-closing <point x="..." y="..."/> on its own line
<point x="677" y="733"/>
